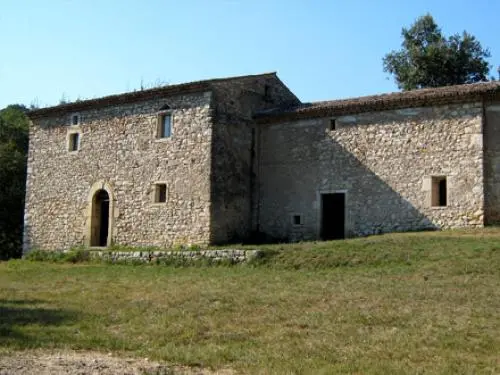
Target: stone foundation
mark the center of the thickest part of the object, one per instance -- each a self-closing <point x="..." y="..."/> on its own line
<point x="227" y="255"/>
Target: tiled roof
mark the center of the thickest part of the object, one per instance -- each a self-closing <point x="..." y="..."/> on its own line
<point x="397" y="100"/>
<point x="131" y="97"/>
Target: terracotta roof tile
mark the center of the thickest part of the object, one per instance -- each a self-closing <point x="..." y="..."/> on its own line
<point x="396" y="100"/>
<point x="135" y="96"/>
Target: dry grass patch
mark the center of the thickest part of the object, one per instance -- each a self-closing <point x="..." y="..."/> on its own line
<point x="414" y="303"/>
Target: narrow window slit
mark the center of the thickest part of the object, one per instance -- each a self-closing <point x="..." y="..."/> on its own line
<point x="439" y="191"/>
<point x="74" y="140"/>
<point x="333" y="124"/>
<point x="75" y="119"/>
<point x="160" y="193"/>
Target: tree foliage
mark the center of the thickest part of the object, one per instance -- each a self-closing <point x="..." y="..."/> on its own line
<point x="13" y="151"/>
<point x="429" y="59"/>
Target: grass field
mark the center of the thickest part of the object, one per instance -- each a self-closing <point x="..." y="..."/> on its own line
<point x="402" y="303"/>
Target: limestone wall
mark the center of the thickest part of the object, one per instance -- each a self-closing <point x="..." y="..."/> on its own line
<point x="233" y="151"/>
<point x="119" y="148"/>
<point x="231" y="256"/>
<point x="383" y="161"/>
<point x="492" y="163"/>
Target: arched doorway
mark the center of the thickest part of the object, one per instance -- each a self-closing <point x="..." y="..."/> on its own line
<point x="100" y="218"/>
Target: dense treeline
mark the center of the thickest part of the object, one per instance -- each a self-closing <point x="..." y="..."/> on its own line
<point x="13" y="152"/>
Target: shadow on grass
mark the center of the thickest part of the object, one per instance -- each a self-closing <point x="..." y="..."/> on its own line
<point x="23" y="325"/>
<point x="19" y="302"/>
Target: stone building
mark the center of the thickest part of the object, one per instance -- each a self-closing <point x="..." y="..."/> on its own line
<point x="223" y="160"/>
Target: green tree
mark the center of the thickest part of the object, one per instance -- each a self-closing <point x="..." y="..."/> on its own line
<point x="429" y="59"/>
<point x="13" y="151"/>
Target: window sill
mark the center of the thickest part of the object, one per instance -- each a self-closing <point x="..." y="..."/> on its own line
<point x="439" y="207"/>
<point x="73" y="152"/>
<point x="165" y="139"/>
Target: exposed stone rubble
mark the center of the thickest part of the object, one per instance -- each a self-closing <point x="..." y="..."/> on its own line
<point x="227" y="255"/>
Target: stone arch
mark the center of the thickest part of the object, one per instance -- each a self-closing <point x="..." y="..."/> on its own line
<point x="100" y="215"/>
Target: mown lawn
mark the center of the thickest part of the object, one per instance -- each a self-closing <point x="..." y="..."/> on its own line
<point x="402" y="303"/>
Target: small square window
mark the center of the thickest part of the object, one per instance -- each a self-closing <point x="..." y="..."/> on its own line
<point x="297" y="219"/>
<point x="74" y="142"/>
<point x="333" y="124"/>
<point x="75" y="119"/>
<point x="439" y="195"/>
<point x="164" y="125"/>
<point x="160" y="193"/>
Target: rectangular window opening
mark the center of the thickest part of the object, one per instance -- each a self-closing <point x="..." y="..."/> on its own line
<point x="74" y="141"/>
<point x="439" y="192"/>
<point x="160" y="193"/>
<point x="165" y="125"/>
<point x="297" y="219"/>
<point x="75" y="119"/>
<point x="333" y="124"/>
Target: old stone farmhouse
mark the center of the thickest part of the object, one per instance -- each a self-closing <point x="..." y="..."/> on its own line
<point x="225" y="159"/>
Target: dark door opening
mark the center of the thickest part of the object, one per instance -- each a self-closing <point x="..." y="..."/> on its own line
<point x="333" y="216"/>
<point x="100" y="219"/>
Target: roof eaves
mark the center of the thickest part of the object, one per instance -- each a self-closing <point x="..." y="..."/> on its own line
<point x="410" y="99"/>
<point x="135" y="96"/>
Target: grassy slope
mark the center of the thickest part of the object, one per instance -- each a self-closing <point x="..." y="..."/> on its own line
<point x="406" y="303"/>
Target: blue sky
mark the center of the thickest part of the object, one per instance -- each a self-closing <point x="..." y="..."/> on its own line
<point x="56" y="49"/>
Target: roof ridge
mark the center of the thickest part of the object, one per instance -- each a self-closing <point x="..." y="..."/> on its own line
<point x="230" y="78"/>
<point x="384" y="101"/>
<point x="416" y="92"/>
<point x="131" y="96"/>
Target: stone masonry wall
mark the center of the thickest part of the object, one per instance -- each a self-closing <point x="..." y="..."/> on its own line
<point x="383" y="161"/>
<point x="492" y="163"/>
<point x="232" y="256"/>
<point x="233" y="151"/>
<point x="119" y="148"/>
